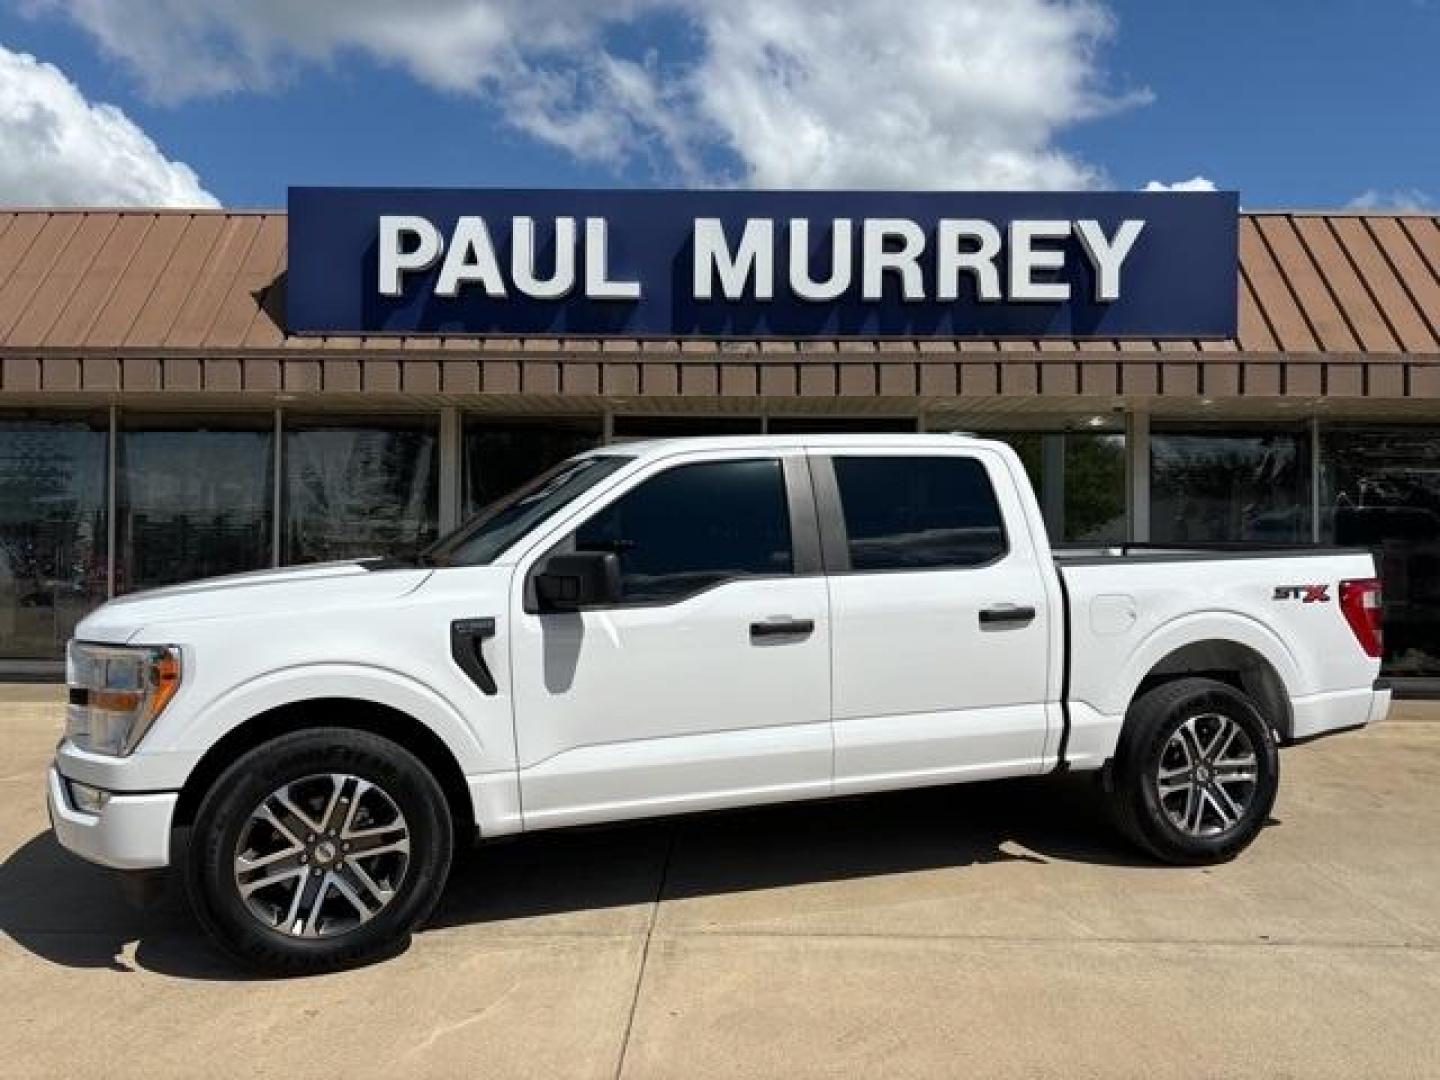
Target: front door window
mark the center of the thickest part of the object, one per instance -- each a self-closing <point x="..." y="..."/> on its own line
<point x="695" y="526"/>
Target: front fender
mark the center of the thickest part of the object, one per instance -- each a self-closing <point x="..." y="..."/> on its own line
<point x="169" y="753"/>
<point x="206" y="724"/>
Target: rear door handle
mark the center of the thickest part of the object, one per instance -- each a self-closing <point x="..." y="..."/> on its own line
<point x="1006" y="613"/>
<point x="781" y="626"/>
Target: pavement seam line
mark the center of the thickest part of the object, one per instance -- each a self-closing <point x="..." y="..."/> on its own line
<point x="645" y="950"/>
<point x="1050" y="942"/>
<point x="1427" y="943"/>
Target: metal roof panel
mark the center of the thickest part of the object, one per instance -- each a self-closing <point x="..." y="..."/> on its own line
<point x="212" y="282"/>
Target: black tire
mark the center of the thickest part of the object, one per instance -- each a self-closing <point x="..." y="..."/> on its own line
<point x="404" y="800"/>
<point x="1185" y="818"/>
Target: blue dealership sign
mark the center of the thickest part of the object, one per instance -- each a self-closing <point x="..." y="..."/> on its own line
<point x="761" y="263"/>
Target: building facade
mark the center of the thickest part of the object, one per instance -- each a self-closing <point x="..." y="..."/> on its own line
<point x="158" y="422"/>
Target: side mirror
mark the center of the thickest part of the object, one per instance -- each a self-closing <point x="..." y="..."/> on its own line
<point x="570" y="581"/>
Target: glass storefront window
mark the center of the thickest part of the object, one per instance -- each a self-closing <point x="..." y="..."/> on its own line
<point x="194" y="498"/>
<point x="53" y="530"/>
<point x="359" y="486"/>
<point x="1079" y="478"/>
<point x="1095" y="487"/>
<point x="1380" y="489"/>
<point x="1029" y="448"/>
<point x="501" y="454"/>
<point x="1212" y="485"/>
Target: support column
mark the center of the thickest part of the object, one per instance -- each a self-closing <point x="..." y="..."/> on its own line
<point x="451" y="449"/>
<point x="1315" y="480"/>
<point x="112" y="472"/>
<point x="1137" y="474"/>
<point x="1052" y="483"/>
<point x="277" y="492"/>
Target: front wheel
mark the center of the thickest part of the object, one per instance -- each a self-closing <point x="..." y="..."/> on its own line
<point x="1196" y="772"/>
<point x="318" y="850"/>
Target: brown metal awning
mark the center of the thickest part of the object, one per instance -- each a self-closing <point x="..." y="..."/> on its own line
<point x="132" y="302"/>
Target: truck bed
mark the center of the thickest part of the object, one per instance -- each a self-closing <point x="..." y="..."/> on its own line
<point x="1131" y="607"/>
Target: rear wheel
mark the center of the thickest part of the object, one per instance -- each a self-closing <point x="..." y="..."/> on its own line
<point x="319" y="850"/>
<point x="1195" y="776"/>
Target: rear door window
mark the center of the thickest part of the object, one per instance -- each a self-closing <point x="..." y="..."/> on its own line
<point x="919" y="513"/>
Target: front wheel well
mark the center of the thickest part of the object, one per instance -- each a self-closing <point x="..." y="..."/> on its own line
<point x="1229" y="662"/>
<point x="388" y="723"/>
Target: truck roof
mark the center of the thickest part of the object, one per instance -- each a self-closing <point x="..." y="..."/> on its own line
<point x="909" y="440"/>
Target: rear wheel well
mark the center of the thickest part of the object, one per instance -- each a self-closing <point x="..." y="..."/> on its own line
<point x="1228" y="662"/>
<point x="388" y="723"/>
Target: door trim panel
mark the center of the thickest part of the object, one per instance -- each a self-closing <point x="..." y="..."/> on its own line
<point x="874" y="753"/>
<point x="606" y="782"/>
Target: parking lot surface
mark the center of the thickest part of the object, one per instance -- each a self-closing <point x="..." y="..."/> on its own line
<point x="994" y="930"/>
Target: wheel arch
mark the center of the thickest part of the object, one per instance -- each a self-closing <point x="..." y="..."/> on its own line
<point x="357" y="714"/>
<point x="1228" y="661"/>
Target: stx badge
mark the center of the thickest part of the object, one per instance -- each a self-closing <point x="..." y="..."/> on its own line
<point x="1306" y="594"/>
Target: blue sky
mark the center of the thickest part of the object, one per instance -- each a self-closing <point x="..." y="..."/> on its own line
<point x="1296" y="103"/>
<point x="1293" y="103"/>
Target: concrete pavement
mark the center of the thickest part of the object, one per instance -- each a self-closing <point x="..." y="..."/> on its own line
<point x="995" y="930"/>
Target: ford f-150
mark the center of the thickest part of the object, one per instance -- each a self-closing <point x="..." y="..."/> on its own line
<point x="677" y="626"/>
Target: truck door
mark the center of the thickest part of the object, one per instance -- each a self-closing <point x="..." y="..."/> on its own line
<point x="939" y="618"/>
<point x="708" y="683"/>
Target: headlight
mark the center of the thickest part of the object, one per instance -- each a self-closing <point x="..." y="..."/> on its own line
<point x="116" y="692"/>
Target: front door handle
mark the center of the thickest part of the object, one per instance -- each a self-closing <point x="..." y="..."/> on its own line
<point x="466" y="638"/>
<point x="1006" y="613"/>
<point x="781" y="626"/>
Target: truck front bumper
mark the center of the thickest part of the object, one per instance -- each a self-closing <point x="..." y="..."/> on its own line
<point x="125" y="832"/>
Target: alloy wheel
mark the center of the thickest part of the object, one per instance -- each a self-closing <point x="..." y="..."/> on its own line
<point x="321" y="855"/>
<point x="1208" y="775"/>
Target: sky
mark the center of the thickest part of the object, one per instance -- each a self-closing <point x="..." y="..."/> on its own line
<point x="1294" y="103"/>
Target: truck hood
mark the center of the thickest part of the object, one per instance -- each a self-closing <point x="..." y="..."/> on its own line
<point x="292" y="588"/>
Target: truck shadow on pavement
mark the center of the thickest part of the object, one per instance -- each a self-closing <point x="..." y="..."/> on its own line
<point x="74" y="914"/>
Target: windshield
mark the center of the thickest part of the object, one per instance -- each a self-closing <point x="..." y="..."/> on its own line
<point x="485" y="536"/>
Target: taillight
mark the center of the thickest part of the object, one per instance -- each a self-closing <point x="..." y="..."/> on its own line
<point x="1360" y="604"/>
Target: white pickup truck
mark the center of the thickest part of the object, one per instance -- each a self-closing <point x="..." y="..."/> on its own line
<point x="676" y="626"/>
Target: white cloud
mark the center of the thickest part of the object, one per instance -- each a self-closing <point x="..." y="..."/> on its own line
<point x="1195" y="183"/>
<point x="926" y="93"/>
<point x="1393" y="199"/>
<point x="929" y="93"/>
<point x="57" y="149"/>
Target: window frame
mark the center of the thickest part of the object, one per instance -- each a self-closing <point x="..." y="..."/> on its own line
<point x="806" y="559"/>
<point x="148" y="423"/>
<point x="835" y="535"/>
<point x="572" y="425"/>
<point x="94" y="578"/>
<point x="296" y="424"/>
<point x="1307" y="438"/>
